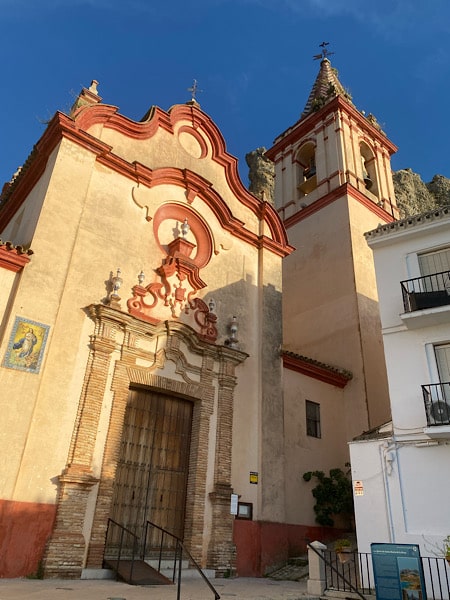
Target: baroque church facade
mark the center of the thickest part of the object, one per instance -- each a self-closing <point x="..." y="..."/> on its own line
<point x="169" y="340"/>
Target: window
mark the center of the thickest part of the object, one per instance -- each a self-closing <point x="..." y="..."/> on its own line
<point x="313" y="419"/>
<point x="437" y="396"/>
<point x="434" y="262"/>
<point x="435" y="269"/>
<point x="369" y="170"/>
<point x="306" y="169"/>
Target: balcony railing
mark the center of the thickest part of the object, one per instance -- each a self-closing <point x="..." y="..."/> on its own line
<point x="437" y="403"/>
<point x="426" y="292"/>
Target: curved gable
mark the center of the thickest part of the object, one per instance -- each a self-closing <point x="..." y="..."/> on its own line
<point x="202" y="127"/>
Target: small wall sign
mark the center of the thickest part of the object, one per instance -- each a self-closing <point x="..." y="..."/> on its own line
<point x="245" y="511"/>
<point x="253" y="477"/>
<point x="398" y="572"/>
<point x="358" y="488"/>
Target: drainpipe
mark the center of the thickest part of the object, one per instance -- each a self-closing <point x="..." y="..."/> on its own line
<point x="386" y="460"/>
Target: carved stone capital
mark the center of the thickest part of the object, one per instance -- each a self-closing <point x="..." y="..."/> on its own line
<point x="101" y="344"/>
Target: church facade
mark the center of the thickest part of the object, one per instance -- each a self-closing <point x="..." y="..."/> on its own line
<point x="163" y="348"/>
<point x="151" y="301"/>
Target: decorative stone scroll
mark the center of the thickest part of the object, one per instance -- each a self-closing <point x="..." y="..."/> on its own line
<point x="174" y="295"/>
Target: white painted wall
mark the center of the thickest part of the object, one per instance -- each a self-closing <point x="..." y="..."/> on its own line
<point x="405" y="474"/>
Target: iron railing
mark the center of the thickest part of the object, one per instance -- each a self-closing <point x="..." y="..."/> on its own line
<point x="356" y="573"/>
<point x="170" y="547"/>
<point x="157" y="544"/>
<point x="121" y="544"/>
<point x="429" y="291"/>
<point x="335" y="573"/>
<point x="349" y="572"/>
<point x="436" y="397"/>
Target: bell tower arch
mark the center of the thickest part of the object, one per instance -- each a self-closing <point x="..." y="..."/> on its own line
<point x="331" y="146"/>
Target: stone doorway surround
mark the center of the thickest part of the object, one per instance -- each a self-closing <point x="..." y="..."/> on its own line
<point x="124" y="352"/>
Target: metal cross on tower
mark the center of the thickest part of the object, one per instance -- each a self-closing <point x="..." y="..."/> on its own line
<point x="325" y="52"/>
<point x="194" y="90"/>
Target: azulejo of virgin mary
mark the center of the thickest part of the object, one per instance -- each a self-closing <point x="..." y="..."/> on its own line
<point x="26" y="345"/>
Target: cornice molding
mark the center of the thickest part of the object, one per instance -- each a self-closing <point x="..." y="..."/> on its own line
<point x="309" y="123"/>
<point x="117" y="319"/>
<point x="307" y="366"/>
<point x="13" y="258"/>
<point x="62" y="126"/>
<point x="345" y="189"/>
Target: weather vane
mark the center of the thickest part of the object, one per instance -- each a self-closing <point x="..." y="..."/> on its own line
<point x="325" y="52"/>
<point x="194" y="90"/>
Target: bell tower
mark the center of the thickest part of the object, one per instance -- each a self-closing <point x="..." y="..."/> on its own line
<point x="333" y="183"/>
<point x="332" y="149"/>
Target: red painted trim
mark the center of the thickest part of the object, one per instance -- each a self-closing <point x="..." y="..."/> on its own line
<point x="261" y="546"/>
<point x="316" y="371"/>
<point x="108" y="116"/>
<point x="200" y="230"/>
<point x="62" y="126"/>
<point x="13" y="259"/>
<point x="345" y="189"/>
<point x="194" y="133"/>
<point x="301" y="128"/>
<point x="156" y="118"/>
<point x="25" y="528"/>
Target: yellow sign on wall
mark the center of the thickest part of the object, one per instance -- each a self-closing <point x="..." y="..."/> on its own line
<point x="253" y="477"/>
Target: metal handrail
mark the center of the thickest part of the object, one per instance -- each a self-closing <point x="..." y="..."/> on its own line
<point x="436" y="397"/>
<point x="433" y="290"/>
<point x="179" y="549"/>
<point x="333" y="568"/>
<point x="123" y="530"/>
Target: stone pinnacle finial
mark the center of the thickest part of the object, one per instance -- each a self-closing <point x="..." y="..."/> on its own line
<point x="93" y="87"/>
<point x="87" y="97"/>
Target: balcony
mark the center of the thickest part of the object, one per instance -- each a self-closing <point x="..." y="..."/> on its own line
<point x="426" y="292"/>
<point x="425" y="296"/>
<point x="436" y="398"/>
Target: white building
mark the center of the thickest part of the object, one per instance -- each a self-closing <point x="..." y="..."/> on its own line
<point x="401" y="469"/>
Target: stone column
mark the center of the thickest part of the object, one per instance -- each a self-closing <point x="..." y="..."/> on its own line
<point x="316" y="579"/>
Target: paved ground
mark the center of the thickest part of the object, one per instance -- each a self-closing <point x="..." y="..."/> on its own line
<point x="241" y="588"/>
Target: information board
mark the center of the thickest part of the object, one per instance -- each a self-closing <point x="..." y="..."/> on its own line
<point x="398" y="572"/>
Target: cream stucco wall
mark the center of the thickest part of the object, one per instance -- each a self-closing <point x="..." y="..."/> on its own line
<point x="90" y="220"/>
<point x="329" y="304"/>
<point x="305" y="453"/>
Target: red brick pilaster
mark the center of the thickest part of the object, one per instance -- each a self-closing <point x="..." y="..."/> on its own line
<point x="65" y="552"/>
<point x="221" y="547"/>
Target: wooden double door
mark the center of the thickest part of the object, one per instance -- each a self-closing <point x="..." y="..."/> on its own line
<point x="152" y="472"/>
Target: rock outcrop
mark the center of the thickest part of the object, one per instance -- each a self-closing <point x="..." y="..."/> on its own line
<point x="414" y="196"/>
<point x="439" y="187"/>
<point x="261" y="174"/>
<point x="411" y="193"/>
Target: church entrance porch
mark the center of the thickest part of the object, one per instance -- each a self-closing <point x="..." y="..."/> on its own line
<point x="157" y="408"/>
<point x="152" y="471"/>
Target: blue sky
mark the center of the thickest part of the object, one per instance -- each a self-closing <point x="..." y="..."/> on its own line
<point x="252" y="59"/>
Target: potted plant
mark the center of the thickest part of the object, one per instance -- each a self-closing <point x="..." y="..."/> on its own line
<point x="343" y="549"/>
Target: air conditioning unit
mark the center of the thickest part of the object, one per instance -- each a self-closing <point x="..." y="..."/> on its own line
<point x="440" y="412"/>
